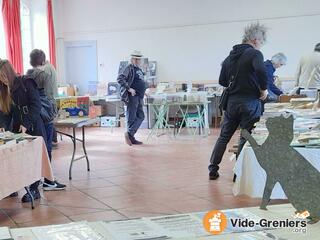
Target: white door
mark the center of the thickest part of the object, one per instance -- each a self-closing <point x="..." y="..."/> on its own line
<point x="81" y="66"/>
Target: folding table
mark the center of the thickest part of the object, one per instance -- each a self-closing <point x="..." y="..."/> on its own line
<point x="74" y="123"/>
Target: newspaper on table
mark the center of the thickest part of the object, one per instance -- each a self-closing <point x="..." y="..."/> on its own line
<point x="179" y="226"/>
<point x="74" y="231"/>
<point x="5" y="234"/>
<point x="136" y="229"/>
<point x="175" y="226"/>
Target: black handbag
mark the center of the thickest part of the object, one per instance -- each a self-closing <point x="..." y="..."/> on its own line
<point x="223" y="101"/>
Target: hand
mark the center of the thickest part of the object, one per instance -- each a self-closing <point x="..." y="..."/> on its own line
<point x="22" y="129"/>
<point x="263" y="94"/>
<point x="132" y="91"/>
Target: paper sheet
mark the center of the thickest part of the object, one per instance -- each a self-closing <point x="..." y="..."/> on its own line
<point x="5" y="233"/>
<point x="183" y="225"/>
<point x="137" y="229"/>
<point x="72" y="231"/>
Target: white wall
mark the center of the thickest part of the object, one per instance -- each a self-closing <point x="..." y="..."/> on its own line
<point x="188" y="38"/>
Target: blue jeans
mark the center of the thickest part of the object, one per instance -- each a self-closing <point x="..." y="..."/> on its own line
<point x="134" y="114"/>
<point x="243" y="113"/>
<point x="49" y="131"/>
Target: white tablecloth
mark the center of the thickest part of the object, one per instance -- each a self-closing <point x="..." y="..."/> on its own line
<point x="251" y="177"/>
<point x="22" y="164"/>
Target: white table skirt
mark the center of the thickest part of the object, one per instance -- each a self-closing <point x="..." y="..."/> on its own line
<point x="251" y="178"/>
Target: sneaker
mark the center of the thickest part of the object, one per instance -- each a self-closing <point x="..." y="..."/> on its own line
<point x="127" y="139"/>
<point x="213" y="175"/>
<point x="59" y="186"/>
<point x="53" y="185"/>
<point x="35" y="193"/>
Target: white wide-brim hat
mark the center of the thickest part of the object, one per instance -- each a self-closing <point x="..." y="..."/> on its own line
<point x="136" y="54"/>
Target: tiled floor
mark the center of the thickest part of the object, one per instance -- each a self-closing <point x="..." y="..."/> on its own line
<point x="164" y="176"/>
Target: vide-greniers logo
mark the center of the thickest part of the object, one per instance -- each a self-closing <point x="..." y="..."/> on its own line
<point x="215" y="222"/>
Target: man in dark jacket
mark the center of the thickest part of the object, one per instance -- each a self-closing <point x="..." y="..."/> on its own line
<point x="277" y="61"/>
<point x="245" y="67"/>
<point x="132" y="91"/>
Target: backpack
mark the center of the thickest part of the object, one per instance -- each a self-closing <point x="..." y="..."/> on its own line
<point x="48" y="111"/>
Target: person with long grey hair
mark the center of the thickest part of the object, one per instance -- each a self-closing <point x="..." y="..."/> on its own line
<point x="244" y="72"/>
<point x="278" y="60"/>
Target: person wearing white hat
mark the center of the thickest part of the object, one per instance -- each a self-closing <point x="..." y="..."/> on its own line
<point x="132" y="90"/>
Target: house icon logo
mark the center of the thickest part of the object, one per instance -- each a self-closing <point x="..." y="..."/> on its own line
<point x="215" y="222"/>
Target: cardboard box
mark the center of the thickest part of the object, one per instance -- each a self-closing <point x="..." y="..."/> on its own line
<point x="66" y="91"/>
<point x="96" y="124"/>
<point x="108" y="122"/>
<point x="95" y="111"/>
<point x="287" y="98"/>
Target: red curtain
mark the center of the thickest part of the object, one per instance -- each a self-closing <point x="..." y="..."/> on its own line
<point x="52" y="43"/>
<point x="12" y="29"/>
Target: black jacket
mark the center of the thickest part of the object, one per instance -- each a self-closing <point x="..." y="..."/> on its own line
<point x="246" y="64"/>
<point x="27" y="107"/>
<point x="125" y="79"/>
<point x="6" y="121"/>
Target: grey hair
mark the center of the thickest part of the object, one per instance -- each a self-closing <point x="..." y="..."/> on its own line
<point x="279" y="58"/>
<point x="255" y="31"/>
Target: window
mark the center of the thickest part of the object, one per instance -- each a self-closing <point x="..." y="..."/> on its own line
<point x="3" y="53"/>
<point x="25" y="35"/>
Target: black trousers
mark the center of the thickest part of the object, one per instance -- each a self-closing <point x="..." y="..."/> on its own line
<point x="239" y="112"/>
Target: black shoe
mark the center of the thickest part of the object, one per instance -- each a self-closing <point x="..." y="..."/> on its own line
<point x="53" y="186"/>
<point x="213" y="175"/>
<point x="15" y="194"/>
<point x="136" y="142"/>
<point x="127" y="138"/>
<point x="35" y="193"/>
<point x="234" y="178"/>
<point x="133" y="140"/>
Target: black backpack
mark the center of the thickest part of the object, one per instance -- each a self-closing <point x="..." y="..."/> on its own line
<point x="48" y="109"/>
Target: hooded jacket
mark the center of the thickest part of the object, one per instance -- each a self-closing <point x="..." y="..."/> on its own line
<point x="43" y="80"/>
<point x="246" y="64"/>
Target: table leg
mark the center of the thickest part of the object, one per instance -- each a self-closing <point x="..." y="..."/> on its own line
<point x="206" y="121"/>
<point x="74" y="140"/>
<point x="32" y="199"/>
<point x="184" y="117"/>
<point x="84" y="148"/>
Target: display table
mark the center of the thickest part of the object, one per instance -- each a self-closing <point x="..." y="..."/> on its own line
<point x="74" y="123"/>
<point x="22" y="164"/>
<point x="251" y="178"/>
<point x="161" y="111"/>
<point x="181" y="226"/>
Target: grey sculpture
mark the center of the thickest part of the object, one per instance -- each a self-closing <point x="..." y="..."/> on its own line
<point x="298" y="178"/>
